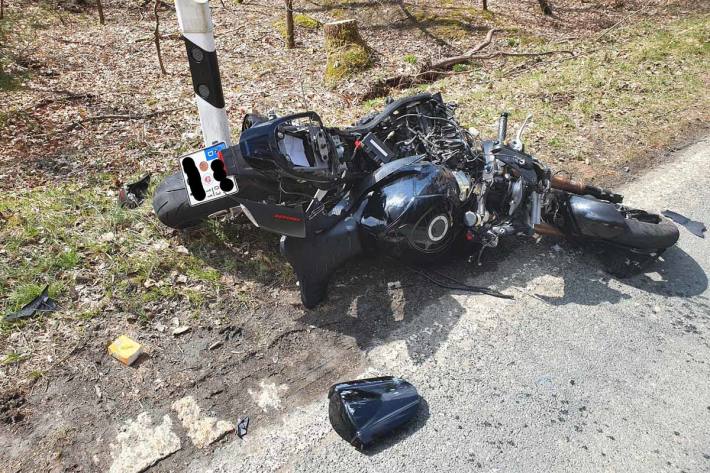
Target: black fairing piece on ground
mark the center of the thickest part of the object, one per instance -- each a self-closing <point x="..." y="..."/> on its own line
<point x="364" y="410"/>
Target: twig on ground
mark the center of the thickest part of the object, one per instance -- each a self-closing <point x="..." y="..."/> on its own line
<point x="156" y="33"/>
<point x="119" y="117"/>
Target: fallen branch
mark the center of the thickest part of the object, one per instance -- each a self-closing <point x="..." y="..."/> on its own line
<point x="467" y="56"/>
<point x="156" y="33"/>
<point x="120" y="117"/>
<point x="435" y="71"/>
<point x="170" y="36"/>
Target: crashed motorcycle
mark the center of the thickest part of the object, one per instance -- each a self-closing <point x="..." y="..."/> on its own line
<point x="408" y="180"/>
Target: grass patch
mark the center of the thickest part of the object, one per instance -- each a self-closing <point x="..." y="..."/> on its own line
<point x="633" y="90"/>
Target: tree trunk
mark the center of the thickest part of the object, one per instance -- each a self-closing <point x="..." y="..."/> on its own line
<point x="290" y="40"/>
<point x="545" y="7"/>
<point x="485" y="5"/>
<point x="102" y="20"/>
<point x="156" y="34"/>
<point x="347" y="52"/>
<point x="2" y="9"/>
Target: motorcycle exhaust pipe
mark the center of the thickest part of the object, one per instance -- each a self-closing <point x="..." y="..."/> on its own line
<point x="582" y="188"/>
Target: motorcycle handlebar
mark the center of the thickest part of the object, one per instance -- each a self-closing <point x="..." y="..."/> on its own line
<point x="502" y="127"/>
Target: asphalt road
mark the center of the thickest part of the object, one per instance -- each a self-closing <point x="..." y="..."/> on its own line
<point x="580" y="372"/>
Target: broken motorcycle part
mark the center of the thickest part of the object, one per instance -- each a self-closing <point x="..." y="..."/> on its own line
<point x="693" y="226"/>
<point x="409" y="182"/>
<point x="242" y="427"/>
<point x="132" y="195"/>
<point x="41" y="303"/>
<point x="365" y="410"/>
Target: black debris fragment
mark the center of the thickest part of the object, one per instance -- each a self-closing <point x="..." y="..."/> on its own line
<point x="364" y="410"/>
<point x="132" y="195"/>
<point x="242" y="426"/>
<point x="693" y="226"/>
<point x="231" y="332"/>
<point x="41" y="303"/>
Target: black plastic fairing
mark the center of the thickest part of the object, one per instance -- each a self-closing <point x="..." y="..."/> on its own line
<point x="364" y="410"/>
<point x="595" y="218"/>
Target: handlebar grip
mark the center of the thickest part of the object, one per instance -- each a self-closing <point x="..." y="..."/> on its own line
<point x="502" y="127"/>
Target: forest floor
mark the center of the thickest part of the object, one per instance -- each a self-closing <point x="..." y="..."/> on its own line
<point x="84" y="108"/>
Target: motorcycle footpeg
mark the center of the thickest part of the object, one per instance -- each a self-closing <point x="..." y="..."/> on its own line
<point x="316" y="257"/>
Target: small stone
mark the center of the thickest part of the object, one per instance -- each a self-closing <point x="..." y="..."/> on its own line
<point x="627" y="169"/>
<point x="160" y="327"/>
<point x="182" y="329"/>
<point x="182" y="279"/>
<point x="108" y="236"/>
<point x="182" y="249"/>
<point x="656" y="309"/>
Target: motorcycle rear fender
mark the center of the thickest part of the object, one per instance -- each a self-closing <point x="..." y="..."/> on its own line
<point x="595" y="218"/>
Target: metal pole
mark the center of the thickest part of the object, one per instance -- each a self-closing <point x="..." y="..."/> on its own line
<point x="196" y="27"/>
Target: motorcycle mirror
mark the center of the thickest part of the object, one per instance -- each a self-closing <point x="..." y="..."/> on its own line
<point x="364" y="410"/>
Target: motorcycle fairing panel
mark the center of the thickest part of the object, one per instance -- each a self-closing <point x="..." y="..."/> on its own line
<point x="409" y="181"/>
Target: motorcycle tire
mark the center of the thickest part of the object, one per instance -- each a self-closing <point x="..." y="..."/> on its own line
<point x="172" y="205"/>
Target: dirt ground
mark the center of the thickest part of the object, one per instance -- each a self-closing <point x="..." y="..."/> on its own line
<point x="84" y="108"/>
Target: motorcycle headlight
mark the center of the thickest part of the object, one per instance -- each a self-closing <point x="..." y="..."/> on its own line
<point x="464" y="183"/>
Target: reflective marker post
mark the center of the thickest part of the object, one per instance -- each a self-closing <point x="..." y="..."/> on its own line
<point x="196" y="26"/>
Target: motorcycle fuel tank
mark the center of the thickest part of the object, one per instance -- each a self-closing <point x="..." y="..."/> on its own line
<point x="413" y="210"/>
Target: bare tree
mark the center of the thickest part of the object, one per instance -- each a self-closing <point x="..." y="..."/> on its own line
<point x="290" y="40"/>
<point x="156" y="34"/>
<point x="100" y="6"/>
<point x="545" y="7"/>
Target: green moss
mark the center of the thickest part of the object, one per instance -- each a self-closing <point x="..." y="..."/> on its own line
<point x="299" y="20"/>
<point x="347" y="54"/>
<point x="305" y="21"/>
<point x="410" y="59"/>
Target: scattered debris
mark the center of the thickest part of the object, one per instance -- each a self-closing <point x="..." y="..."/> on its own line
<point x="132" y="195"/>
<point x="693" y="226"/>
<point x="12" y="404"/>
<point x="125" y="350"/>
<point x="242" y="426"/>
<point x="202" y="430"/>
<point x="41" y="303"/>
<point x="364" y="410"/>
<point x="139" y="445"/>
<point x="216" y="344"/>
<point x="181" y="329"/>
<point x="231" y="332"/>
<point x="394" y="285"/>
